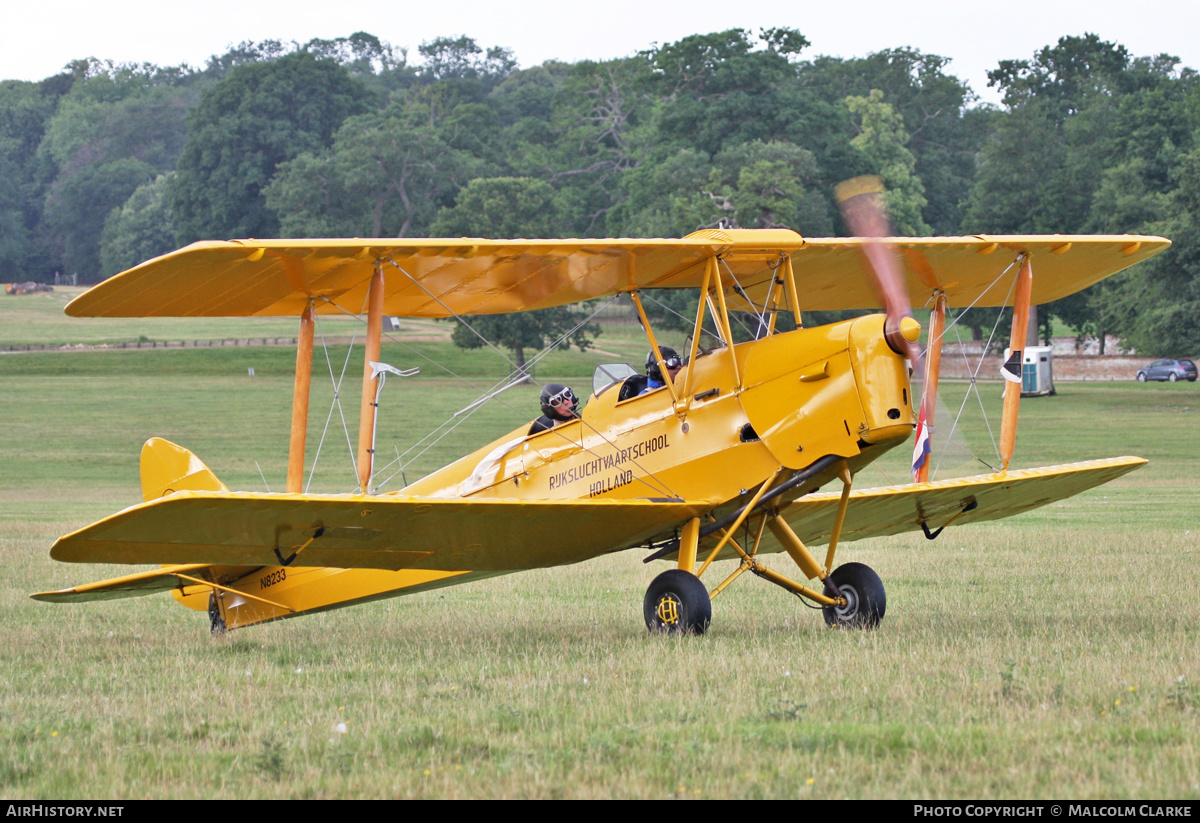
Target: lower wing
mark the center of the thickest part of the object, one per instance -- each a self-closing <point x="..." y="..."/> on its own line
<point x="932" y="506"/>
<point x="441" y="540"/>
<point x="385" y="532"/>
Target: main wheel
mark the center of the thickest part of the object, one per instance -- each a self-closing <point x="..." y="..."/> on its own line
<point x="866" y="601"/>
<point x="677" y="603"/>
<point x="216" y="623"/>
<point x="1172" y="377"/>
<point x="1141" y="377"/>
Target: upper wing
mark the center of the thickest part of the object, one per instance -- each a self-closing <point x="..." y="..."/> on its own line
<point x="896" y="509"/>
<point x="385" y="532"/>
<point x="440" y="277"/>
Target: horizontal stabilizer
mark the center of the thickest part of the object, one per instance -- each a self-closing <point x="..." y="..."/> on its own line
<point x="385" y="532"/>
<point x="897" y="509"/>
<point x="131" y="585"/>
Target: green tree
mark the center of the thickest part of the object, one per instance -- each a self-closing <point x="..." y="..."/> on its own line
<point x="773" y="185"/>
<point x="601" y="129"/>
<point x="505" y="207"/>
<point x="1020" y="188"/>
<point x="1126" y="201"/>
<point x="881" y="138"/>
<point x="1077" y="109"/>
<point x="362" y="54"/>
<point x="721" y="89"/>
<point x="60" y="137"/>
<point x="1063" y="77"/>
<point x="118" y="127"/>
<point x="945" y="132"/>
<point x="246" y="52"/>
<point x="1092" y="142"/>
<point x="463" y="58"/>
<point x="138" y="230"/>
<point x="261" y="115"/>
<point x="665" y="198"/>
<point x="77" y="206"/>
<point x="386" y="174"/>
<point x="749" y="185"/>
<point x="1154" y="306"/>
<point x="120" y="111"/>
<point x="14" y="235"/>
<point x="25" y="109"/>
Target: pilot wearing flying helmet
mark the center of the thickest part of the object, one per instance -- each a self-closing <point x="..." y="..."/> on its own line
<point x="654" y="376"/>
<point x="559" y="405"/>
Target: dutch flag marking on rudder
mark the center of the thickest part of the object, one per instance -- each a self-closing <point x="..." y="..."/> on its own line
<point x="921" y="447"/>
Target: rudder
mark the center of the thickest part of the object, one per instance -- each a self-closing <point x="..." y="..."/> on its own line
<point x="167" y="468"/>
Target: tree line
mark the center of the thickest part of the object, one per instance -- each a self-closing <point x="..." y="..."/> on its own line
<point x="105" y="165"/>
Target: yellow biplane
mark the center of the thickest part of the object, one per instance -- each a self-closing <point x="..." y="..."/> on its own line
<point x="722" y="462"/>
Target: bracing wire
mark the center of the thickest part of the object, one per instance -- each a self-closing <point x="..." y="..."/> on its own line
<point x="687" y="320"/>
<point x="335" y="403"/>
<point x="358" y="319"/>
<point x="761" y="317"/>
<point x="452" y="423"/>
<point x="974" y="370"/>
<point x="456" y="316"/>
<point x="266" y="485"/>
<point x="954" y="321"/>
<point x="459" y="417"/>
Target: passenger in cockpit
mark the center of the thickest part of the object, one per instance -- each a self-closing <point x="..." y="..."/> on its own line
<point x="559" y="405"/>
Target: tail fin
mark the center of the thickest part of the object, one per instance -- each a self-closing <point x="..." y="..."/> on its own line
<point x="168" y="468"/>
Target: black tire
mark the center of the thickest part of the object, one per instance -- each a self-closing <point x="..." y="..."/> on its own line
<point x="1173" y="377"/>
<point x="216" y="622"/>
<point x="866" y="600"/>
<point x="677" y="603"/>
<point x="1141" y="377"/>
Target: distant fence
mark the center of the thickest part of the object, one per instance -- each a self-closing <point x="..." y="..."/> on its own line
<point x="1067" y="367"/>
<point x="155" y="344"/>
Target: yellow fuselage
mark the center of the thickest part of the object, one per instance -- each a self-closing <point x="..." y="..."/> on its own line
<point x="804" y="394"/>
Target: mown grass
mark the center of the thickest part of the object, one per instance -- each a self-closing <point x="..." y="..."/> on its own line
<point x="38" y="319"/>
<point x="1049" y="656"/>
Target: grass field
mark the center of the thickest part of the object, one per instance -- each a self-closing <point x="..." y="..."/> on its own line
<point x="1050" y="656"/>
<point x="39" y="319"/>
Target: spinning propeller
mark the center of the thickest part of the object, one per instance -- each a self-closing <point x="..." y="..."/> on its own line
<point x="861" y="203"/>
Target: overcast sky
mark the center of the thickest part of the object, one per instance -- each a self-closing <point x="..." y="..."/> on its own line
<point x="37" y="40"/>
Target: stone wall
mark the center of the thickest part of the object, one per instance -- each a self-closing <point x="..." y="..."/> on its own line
<point x="1067" y="367"/>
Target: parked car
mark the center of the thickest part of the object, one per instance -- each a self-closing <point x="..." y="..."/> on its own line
<point x="1172" y="370"/>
